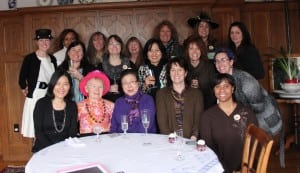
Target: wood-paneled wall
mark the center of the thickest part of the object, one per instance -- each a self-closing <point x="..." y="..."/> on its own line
<point x="264" y="20"/>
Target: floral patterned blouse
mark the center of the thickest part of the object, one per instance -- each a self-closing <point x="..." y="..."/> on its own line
<point x="92" y="113"/>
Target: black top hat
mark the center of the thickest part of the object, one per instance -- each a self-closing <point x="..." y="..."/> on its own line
<point x="193" y="21"/>
<point x="43" y="33"/>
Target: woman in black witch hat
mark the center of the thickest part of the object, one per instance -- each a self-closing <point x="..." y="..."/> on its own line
<point x="203" y="25"/>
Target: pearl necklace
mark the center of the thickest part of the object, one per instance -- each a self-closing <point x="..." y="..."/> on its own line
<point x="63" y="124"/>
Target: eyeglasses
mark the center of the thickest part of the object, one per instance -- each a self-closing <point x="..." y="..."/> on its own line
<point x="222" y="60"/>
<point x="129" y="83"/>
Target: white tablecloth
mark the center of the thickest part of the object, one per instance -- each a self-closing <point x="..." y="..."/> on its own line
<point x="128" y="154"/>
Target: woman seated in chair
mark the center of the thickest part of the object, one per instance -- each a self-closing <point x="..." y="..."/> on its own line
<point x="131" y="105"/>
<point x="94" y="110"/>
<point x="55" y="115"/>
<point x="223" y="126"/>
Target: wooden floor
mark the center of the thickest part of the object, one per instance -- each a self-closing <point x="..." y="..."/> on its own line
<point x="292" y="162"/>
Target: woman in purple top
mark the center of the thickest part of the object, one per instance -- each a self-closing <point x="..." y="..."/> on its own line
<point x="131" y="105"/>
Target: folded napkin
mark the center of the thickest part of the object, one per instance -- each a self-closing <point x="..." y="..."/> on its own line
<point x="74" y="142"/>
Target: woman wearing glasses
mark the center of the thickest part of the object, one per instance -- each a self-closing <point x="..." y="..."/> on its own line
<point x="131" y="105"/>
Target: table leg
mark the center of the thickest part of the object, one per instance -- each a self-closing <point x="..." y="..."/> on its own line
<point x="296" y="123"/>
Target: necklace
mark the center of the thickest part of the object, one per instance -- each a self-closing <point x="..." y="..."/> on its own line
<point x="94" y="118"/>
<point x="63" y="124"/>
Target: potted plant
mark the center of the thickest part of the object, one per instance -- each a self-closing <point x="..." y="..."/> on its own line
<point x="286" y="71"/>
<point x="288" y="65"/>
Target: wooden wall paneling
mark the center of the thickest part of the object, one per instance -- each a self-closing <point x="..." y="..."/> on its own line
<point x="295" y="29"/>
<point x="18" y="148"/>
<point x="13" y="47"/>
<point x="1" y="39"/>
<point x="277" y="31"/>
<point x="120" y="22"/>
<point x="260" y="37"/>
<point x="85" y="23"/>
<point x="2" y="91"/>
<point x="13" y="37"/>
<point x="224" y="16"/>
<point x="181" y="15"/>
<point x="146" y="20"/>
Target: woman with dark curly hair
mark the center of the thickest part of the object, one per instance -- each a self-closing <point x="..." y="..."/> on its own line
<point x="201" y="71"/>
<point x="62" y="42"/>
<point x="166" y="32"/>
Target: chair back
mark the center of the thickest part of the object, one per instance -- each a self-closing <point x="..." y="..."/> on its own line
<point x="257" y="145"/>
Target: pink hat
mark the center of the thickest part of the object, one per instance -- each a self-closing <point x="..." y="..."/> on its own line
<point x="94" y="74"/>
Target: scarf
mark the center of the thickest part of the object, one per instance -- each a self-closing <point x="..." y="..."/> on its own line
<point x="179" y="107"/>
<point x="134" y="102"/>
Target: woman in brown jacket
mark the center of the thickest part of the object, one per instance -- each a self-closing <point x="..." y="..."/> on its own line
<point x="179" y="106"/>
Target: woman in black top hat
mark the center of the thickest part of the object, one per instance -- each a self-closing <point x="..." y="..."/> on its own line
<point x="203" y="25"/>
<point x="36" y="71"/>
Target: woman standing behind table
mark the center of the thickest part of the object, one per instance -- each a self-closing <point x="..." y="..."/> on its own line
<point x="247" y="56"/>
<point x="66" y="37"/>
<point x="249" y="93"/>
<point x="223" y="126"/>
<point x="55" y="115"/>
<point x="152" y="75"/>
<point x="179" y="107"/>
<point x="35" y="73"/>
<point x="166" y="32"/>
<point x="114" y="62"/>
<point x="201" y="71"/>
<point x="76" y="64"/>
<point x="94" y="110"/>
<point x="203" y="26"/>
<point x="131" y="104"/>
<point x="134" y="51"/>
<point x="96" y="48"/>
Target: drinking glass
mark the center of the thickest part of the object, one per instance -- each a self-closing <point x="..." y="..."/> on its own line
<point x="97" y="129"/>
<point x="179" y="143"/>
<point x="145" y="116"/>
<point x="151" y="74"/>
<point x="124" y="124"/>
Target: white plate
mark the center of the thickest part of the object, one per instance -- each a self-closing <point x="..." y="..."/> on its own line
<point x="285" y="94"/>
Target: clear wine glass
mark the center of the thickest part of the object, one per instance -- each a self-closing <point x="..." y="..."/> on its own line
<point x="151" y="74"/>
<point x="179" y="143"/>
<point x="124" y="123"/>
<point x="145" y="116"/>
<point x="97" y="129"/>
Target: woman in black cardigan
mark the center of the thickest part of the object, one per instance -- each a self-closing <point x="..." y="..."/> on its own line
<point x="55" y="115"/>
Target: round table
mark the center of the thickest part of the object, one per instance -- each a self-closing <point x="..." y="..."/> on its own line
<point x="126" y="154"/>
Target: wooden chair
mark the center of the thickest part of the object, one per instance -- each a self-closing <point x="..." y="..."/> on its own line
<point x="255" y="137"/>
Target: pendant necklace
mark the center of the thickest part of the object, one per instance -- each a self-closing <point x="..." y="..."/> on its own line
<point x="63" y="124"/>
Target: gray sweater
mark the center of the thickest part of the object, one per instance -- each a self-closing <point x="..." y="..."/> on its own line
<point x="251" y="94"/>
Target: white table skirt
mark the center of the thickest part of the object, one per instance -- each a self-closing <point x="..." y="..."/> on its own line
<point x="128" y="154"/>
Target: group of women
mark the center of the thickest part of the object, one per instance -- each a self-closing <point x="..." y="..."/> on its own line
<point x="194" y="88"/>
